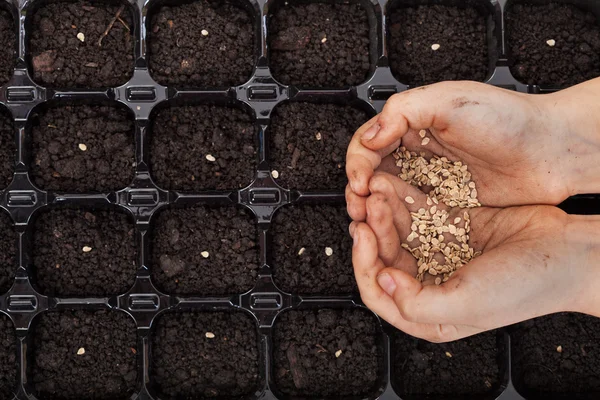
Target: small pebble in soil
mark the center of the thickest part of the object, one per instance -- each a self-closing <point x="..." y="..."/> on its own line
<point x="298" y="54"/>
<point x="180" y="236"/>
<point x="302" y="161"/>
<point x="315" y="271"/>
<point x="225" y="366"/>
<point x="8" y="252"/>
<point x="308" y="360"/>
<point x="8" y="42"/>
<point x="61" y="58"/>
<point x="202" y="147"/>
<point x="108" y="369"/>
<point x="8" y="359"/>
<point x="460" y="49"/>
<point x="182" y="53"/>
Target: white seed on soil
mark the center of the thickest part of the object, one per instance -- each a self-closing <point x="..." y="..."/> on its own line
<point x="209" y="157"/>
<point x="204" y="32"/>
<point x="551" y="42"/>
<point x="301" y="251"/>
<point x="338" y="353"/>
<point x="210" y="335"/>
<point x="318" y="136"/>
<point x="422" y="133"/>
<point x="323" y="40"/>
<point x="409" y="200"/>
<point x="86" y="249"/>
<point x="425" y="141"/>
<point x="82" y="147"/>
<point x="205" y="254"/>
<point x="275" y="174"/>
<point x="81" y="351"/>
<point x="328" y="251"/>
<point x="559" y="349"/>
<point x="448" y="354"/>
<point x="81" y="36"/>
<point x="435" y="47"/>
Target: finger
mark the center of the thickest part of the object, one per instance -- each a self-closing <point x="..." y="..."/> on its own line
<point x="380" y="220"/>
<point x="382" y="183"/>
<point x="356" y="205"/>
<point x="413" y="197"/>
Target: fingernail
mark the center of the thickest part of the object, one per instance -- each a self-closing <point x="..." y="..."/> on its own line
<point x="371" y="132"/>
<point x="387" y="283"/>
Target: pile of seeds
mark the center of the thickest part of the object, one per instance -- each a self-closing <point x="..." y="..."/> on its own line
<point x="449" y="182"/>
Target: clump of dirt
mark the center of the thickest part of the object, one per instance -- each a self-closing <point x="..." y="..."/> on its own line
<point x="203" y="147"/>
<point x="8" y="252"/>
<point x="204" y="355"/>
<point x="82" y="44"/>
<point x="8" y="46"/>
<point x="81" y="252"/>
<point x="553" y="44"/>
<point x="433" y="43"/>
<point x="204" y="251"/>
<point x="83" y="149"/>
<point x="308" y="144"/>
<point x="8" y="147"/>
<point x="327" y="352"/>
<point x="203" y="43"/>
<point x="8" y="359"/>
<point x="83" y="354"/>
<point x="319" y="44"/>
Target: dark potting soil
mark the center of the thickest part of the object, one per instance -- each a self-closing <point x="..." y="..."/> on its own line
<point x="301" y="236"/>
<point x="8" y="252"/>
<point x="203" y="43"/>
<point x="83" y="149"/>
<point x="8" y="359"/>
<point x="204" y="251"/>
<point x="539" y="368"/>
<point x="319" y="44"/>
<point x="105" y="371"/>
<point x="574" y="58"/>
<point x="305" y="348"/>
<point x="460" y="33"/>
<point x="203" y="147"/>
<point x="63" y="267"/>
<point x="186" y="364"/>
<point x="60" y="59"/>
<point x="8" y="46"/>
<point x="8" y="147"/>
<point x="308" y="144"/>
<point x="471" y="366"/>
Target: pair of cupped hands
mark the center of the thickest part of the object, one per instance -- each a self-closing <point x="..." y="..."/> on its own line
<point x="526" y="154"/>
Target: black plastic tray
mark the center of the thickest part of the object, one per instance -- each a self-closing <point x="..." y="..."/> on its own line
<point x="263" y="196"/>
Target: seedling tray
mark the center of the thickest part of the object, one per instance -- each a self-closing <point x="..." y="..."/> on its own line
<point x="143" y="202"/>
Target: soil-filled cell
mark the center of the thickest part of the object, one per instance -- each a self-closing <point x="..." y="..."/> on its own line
<point x="81" y="252"/>
<point x="205" y="43"/>
<point x="204" y="251"/>
<point x="203" y="147"/>
<point x="83" y="148"/>
<point x="204" y="355"/>
<point x="469" y="367"/>
<point x="73" y="44"/>
<point x="557" y="355"/>
<point x="553" y="44"/>
<point x="308" y="144"/>
<point x="327" y="353"/>
<point x="8" y="252"/>
<point x="8" y="46"/>
<point x="433" y="43"/>
<point x="81" y="355"/>
<point x="8" y="359"/>
<point x="8" y="148"/>
<point x="319" y="44"/>
<point x="312" y="250"/>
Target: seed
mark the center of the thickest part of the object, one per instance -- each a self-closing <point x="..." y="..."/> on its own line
<point x="205" y="254"/>
<point x="275" y="174"/>
<point x="204" y="32"/>
<point x="435" y="47"/>
<point x="438" y="281"/>
<point x="210" y="158"/>
<point x="81" y="351"/>
<point x="210" y="335"/>
<point x="409" y="200"/>
<point x="551" y="42"/>
<point x="559" y="349"/>
<point x="425" y="141"/>
<point x="82" y="147"/>
<point x="86" y="249"/>
<point x="318" y="136"/>
<point x="422" y="133"/>
<point x="81" y="36"/>
<point x="448" y="354"/>
<point x="323" y="40"/>
<point x="338" y="353"/>
<point x="328" y="251"/>
<point x="456" y="220"/>
<point x="301" y="251"/>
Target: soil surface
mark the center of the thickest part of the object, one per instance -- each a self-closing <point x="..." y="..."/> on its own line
<point x="540" y="369"/>
<point x="203" y="147"/>
<point x="8" y="252"/>
<point x="460" y="33"/>
<point x="308" y="144"/>
<point x="204" y="43"/>
<point x="7" y="147"/>
<point x="59" y="57"/>
<point x="8" y="359"/>
<point x="186" y="364"/>
<point x="83" y="149"/>
<point x="105" y="371"/>
<point x="421" y="367"/>
<point x="574" y="58"/>
<point x="305" y="348"/>
<point x="182" y="238"/>
<point x="322" y="45"/>
<point x="314" y="229"/>
<point x="63" y="267"/>
<point x="8" y="46"/>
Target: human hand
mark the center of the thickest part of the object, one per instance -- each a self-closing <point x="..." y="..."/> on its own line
<point x="536" y="260"/>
